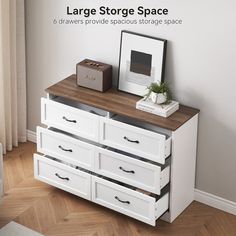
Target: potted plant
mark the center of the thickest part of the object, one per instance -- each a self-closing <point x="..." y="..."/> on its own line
<point x="159" y="93"/>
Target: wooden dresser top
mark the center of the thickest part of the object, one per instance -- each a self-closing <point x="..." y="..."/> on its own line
<point x="119" y="103"/>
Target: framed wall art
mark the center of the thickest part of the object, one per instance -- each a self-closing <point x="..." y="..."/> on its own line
<point x="142" y="62"/>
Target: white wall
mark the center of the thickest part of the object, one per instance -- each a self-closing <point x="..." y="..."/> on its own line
<point x="200" y="66"/>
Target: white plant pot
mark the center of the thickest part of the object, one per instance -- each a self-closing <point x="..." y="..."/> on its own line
<point x="158" y="98"/>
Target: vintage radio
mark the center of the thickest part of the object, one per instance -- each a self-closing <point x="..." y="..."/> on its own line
<point x="94" y="75"/>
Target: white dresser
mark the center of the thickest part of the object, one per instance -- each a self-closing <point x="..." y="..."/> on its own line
<point x="99" y="147"/>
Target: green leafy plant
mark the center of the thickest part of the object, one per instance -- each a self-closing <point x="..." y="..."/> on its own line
<point x="160" y="88"/>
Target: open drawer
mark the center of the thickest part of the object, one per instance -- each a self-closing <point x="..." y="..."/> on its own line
<point x="138" y="141"/>
<point x="70" y="119"/>
<point x="65" y="148"/>
<point x="62" y="176"/>
<point x="128" y="169"/>
<point x="127" y="201"/>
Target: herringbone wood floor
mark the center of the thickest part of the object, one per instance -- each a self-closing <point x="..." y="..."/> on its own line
<point x="55" y="213"/>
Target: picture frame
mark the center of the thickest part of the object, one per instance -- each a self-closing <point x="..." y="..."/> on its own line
<point x="142" y="62"/>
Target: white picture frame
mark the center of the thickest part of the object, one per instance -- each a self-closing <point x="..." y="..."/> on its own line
<point x="142" y="62"/>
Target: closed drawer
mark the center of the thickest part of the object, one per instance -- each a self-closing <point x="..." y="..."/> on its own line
<point x="131" y="171"/>
<point x="62" y="176"/>
<point x="65" y="148"/>
<point x="129" y="202"/>
<point x="138" y="141"/>
<point x="70" y="119"/>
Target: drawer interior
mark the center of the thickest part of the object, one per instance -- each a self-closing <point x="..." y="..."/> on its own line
<point x="167" y="162"/>
<point x="165" y="190"/>
<point x="142" y="125"/>
<point x="83" y="107"/>
<point x="68" y="164"/>
<point x="75" y="137"/>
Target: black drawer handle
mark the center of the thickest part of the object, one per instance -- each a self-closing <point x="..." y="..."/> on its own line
<point x="131" y="141"/>
<point x="68" y="120"/>
<point x="64" y="178"/>
<point x="125" y="202"/>
<point x="127" y="171"/>
<point x="65" y="150"/>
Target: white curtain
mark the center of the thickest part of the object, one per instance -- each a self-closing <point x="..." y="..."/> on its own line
<point x="12" y="74"/>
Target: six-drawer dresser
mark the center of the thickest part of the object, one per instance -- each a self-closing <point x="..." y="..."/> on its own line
<point x="99" y="147"/>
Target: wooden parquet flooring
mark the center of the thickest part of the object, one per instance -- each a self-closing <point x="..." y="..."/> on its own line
<point x="53" y="212"/>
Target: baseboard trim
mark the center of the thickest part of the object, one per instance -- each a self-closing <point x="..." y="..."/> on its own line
<point x="31" y="136"/>
<point x="215" y="201"/>
<point x="22" y="139"/>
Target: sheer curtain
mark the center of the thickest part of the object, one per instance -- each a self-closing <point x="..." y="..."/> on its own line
<point x="12" y="74"/>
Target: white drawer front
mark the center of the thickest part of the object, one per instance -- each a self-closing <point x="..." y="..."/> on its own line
<point x="65" y="148"/>
<point x="127" y="201"/>
<point x="138" y="141"/>
<point x="62" y="176"/>
<point x="70" y="119"/>
<point x="131" y="171"/>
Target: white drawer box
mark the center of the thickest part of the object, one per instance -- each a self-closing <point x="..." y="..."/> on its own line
<point x="130" y="170"/>
<point x="138" y="141"/>
<point x="127" y="201"/>
<point x="62" y="176"/>
<point x="70" y="119"/>
<point x="65" y="148"/>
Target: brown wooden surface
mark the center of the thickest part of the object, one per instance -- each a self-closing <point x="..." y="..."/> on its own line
<point x="54" y="212"/>
<point x="119" y="103"/>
